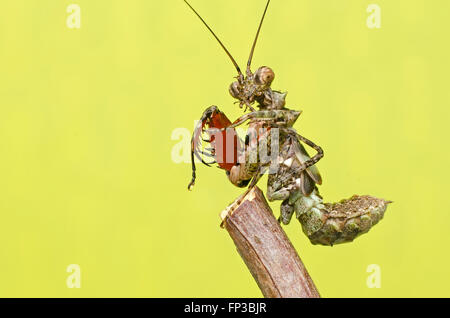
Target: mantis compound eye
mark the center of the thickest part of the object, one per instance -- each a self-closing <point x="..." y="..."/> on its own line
<point x="264" y="76"/>
<point x="235" y="89"/>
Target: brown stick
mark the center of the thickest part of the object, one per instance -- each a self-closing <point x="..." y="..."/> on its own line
<point x="265" y="248"/>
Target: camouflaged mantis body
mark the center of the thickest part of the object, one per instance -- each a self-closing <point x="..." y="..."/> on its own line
<point x="294" y="178"/>
<point x="323" y="223"/>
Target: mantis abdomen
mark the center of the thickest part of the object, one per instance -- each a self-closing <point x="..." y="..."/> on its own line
<point x="334" y="223"/>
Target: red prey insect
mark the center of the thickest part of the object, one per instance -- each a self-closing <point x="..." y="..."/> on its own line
<point x="219" y="138"/>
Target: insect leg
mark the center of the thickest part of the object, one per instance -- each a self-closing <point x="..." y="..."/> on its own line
<point x="195" y="140"/>
<point x="281" y="194"/>
<point x="207" y="154"/>
<point x="194" y="176"/>
<point x="249" y="162"/>
<point x="256" y="178"/>
<point x="314" y="159"/>
<point x="286" y="212"/>
<point x="308" y="163"/>
<point x="283" y="116"/>
<point x="257" y="114"/>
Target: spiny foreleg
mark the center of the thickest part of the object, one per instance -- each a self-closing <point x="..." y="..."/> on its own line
<point x="249" y="161"/>
<point x="285" y="117"/>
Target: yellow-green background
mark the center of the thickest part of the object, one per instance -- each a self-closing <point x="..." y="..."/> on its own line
<point x="86" y="118"/>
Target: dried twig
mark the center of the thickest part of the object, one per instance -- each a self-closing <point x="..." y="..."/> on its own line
<point x="265" y="248"/>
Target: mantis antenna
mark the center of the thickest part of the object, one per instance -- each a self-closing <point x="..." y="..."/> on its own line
<point x="218" y="40"/>
<point x="256" y="39"/>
